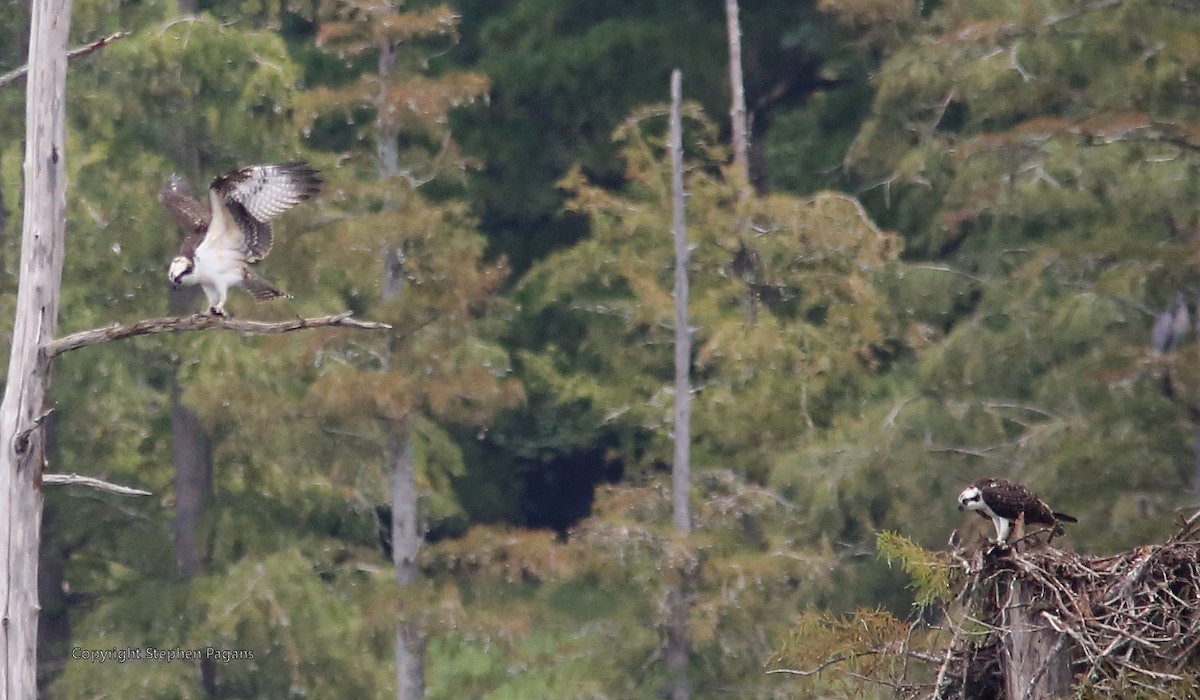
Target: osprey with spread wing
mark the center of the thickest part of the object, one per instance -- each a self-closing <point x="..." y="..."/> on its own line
<point x="234" y="231"/>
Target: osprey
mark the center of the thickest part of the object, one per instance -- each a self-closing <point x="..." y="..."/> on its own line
<point x="234" y="231"/>
<point x="1004" y="501"/>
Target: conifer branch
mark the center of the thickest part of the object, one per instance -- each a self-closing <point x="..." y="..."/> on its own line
<point x="201" y="322"/>
<point x="93" y="483"/>
<point x="18" y="73"/>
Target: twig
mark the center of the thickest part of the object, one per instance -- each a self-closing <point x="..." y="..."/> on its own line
<point x="92" y="483"/>
<point x="797" y="672"/>
<point x="1186" y="529"/>
<point x="200" y="322"/>
<point x="18" y="73"/>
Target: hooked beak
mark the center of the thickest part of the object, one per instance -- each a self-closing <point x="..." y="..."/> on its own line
<point x="961" y="507"/>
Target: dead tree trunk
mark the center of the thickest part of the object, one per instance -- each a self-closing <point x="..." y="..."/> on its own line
<point x="678" y="596"/>
<point x="406" y="543"/>
<point x="1037" y="664"/>
<point x="3" y="223"/>
<point x="681" y="473"/>
<point x="22" y="410"/>
<point x="737" y="89"/>
<point x="406" y="534"/>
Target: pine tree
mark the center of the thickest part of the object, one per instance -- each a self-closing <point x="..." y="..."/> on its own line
<point x="416" y="263"/>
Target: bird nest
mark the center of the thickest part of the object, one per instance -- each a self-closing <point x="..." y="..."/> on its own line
<point x="1128" y="623"/>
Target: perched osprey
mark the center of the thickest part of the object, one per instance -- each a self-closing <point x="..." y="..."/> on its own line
<point x="234" y="231"/>
<point x="1004" y="501"/>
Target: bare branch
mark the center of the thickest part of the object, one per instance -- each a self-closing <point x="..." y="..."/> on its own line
<point x="201" y="322"/>
<point x="93" y="483"/>
<point x="18" y="73"/>
<point x="837" y="658"/>
<point x="1076" y="11"/>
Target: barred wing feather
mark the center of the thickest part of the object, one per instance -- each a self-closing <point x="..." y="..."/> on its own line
<point x="254" y="196"/>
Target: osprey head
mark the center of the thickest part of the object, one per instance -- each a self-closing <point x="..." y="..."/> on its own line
<point x="970" y="499"/>
<point x="180" y="267"/>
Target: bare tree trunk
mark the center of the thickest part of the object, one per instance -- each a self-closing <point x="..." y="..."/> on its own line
<point x="22" y="410"/>
<point x="386" y="148"/>
<point x="406" y="543"/>
<point x="1039" y="662"/>
<point x="192" y="454"/>
<point x="678" y="596"/>
<point x="406" y="534"/>
<point x="681" y="473"/>
<point x="737" y="89"/>
<point x="388" y="152"/>
<point x="3" y="222"/>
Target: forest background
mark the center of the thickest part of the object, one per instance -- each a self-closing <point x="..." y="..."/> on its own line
<point x="966" y="216"/>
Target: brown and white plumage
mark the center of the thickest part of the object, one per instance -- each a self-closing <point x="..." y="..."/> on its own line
<point x="234" y="231"/>
<point x="1004" y="501"/>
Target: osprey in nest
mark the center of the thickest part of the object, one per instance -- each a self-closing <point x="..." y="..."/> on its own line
<point x="1004" y="501"/>
<point x="234" y="230"/>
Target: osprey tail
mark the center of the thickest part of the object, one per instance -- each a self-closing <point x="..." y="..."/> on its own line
<point x="1063" y="517"/>
<point x="261" y="289"/>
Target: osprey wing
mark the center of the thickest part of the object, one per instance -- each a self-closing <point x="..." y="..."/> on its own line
<point x="253" y="196"/>
<point x="190" y="213"/>
<point x="1010" y="499"/>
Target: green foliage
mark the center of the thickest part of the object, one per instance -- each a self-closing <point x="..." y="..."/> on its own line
<point x="532" y="599"/>
<point x="789" y="322"/>
<point x="565" y="73"/>
<point x="931" y="576"/>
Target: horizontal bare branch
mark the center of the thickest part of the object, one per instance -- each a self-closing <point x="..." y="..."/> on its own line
<point x="92" y="483"/>
<point x="18" y="73"/>
<point x="835" y="659"/>
<point x="201" y="322"/>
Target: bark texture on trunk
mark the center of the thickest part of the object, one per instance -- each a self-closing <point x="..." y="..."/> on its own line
<point x="3" y="223"/>
<point x="406" y="543"/>
<point x="737" y="109"/>
<point x="679" y="643"/>
<point x="387" y="130"/>
<point x="22" y="410"/>
<point x="1038" y="659"/>
<point x="681" y="471"/>
<point x="679" y="640"/>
